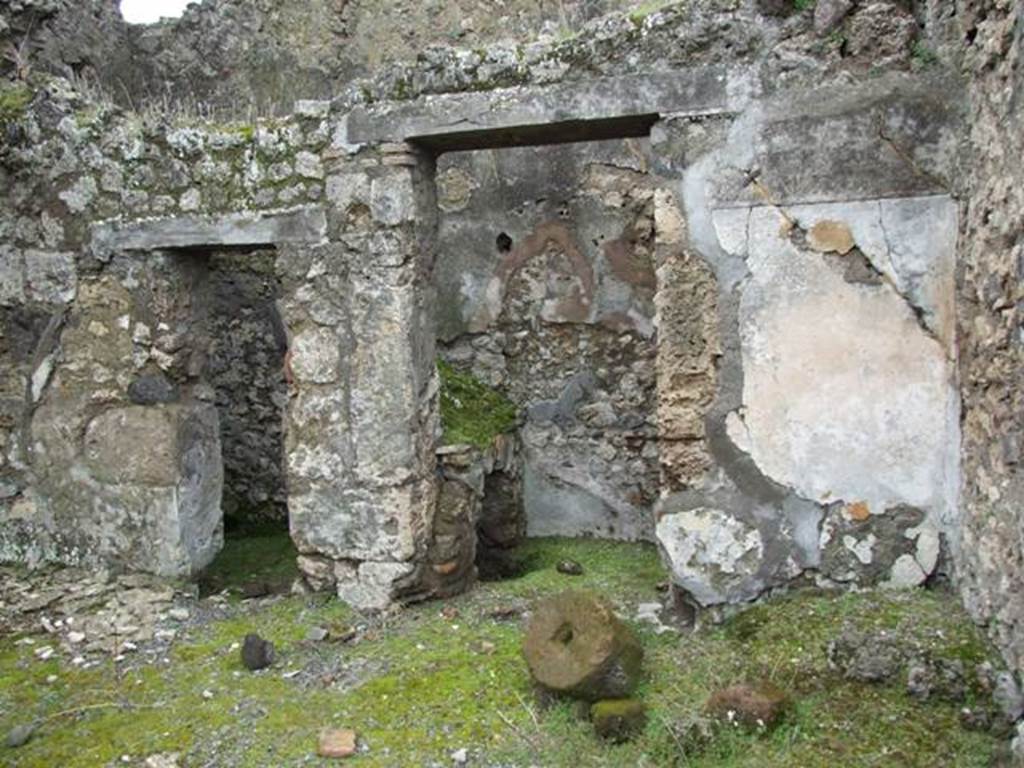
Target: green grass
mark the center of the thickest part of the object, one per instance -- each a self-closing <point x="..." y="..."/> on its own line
<point x="642" y="11"/>
<point x="923" y="55"/>
<point x="422" y="684"/>
<point x="472" y="412"/>
<point x="14" y="101"/>
<point x="264" y="554"/>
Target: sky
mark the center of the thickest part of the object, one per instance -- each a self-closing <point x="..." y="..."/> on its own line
<point x="148" y="11"/>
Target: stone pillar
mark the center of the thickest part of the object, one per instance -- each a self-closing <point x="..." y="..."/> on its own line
<point x="687" y="316"/>
<point x="363" y="421"/>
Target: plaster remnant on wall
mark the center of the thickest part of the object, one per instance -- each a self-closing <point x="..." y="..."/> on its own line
<point x="830" y="236"/>
<point x="841" y="384"/>
<point x="455" y="189"/>
<point x="713" y="554"/>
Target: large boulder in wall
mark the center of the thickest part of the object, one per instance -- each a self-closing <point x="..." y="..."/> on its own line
<point x="576" y="646"/>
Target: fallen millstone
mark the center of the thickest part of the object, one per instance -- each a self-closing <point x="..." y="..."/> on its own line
<point x="758" y="707"/>
<point x="576" y="646"/>
<point x="618" y="720"/>
<point x="257" y="653"/>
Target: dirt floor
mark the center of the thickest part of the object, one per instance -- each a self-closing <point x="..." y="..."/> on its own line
<point x="150" y="675"/>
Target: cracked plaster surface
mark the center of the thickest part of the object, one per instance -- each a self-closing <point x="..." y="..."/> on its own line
<point x="849" y="386"/>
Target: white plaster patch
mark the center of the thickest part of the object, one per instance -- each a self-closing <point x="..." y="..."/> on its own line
<point x="912" y="241"/>
<point x="845" y="396"/>
<point x="731" y="229"/>
<point x="862" y="549"/>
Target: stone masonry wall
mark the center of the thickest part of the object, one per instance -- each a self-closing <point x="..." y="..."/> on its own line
<point x="808" y="370"/>
<point x="991" y="34"/>
<point x="241" y="56"/>
<point x="545" y="279"/>
<point x="245" y="368"/>
<point x="102" y="347"/>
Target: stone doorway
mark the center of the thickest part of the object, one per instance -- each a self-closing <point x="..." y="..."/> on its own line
<point x="245" y="367"/>
<point x="545" y="276"/>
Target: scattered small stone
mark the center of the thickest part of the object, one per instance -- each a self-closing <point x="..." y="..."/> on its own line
<point x="752" y="706"/>
<point x="618" y="720"/>
<point x="504" y="613"/>
<point x="576" y="646"/>
<point x="257" y="653"/>
<point x="650" y="613"/>
<point x="317" y="634"/>
<point x="44" y="652"/>
<point x="460" y="756"/>
<point x="1009" y="697"/>
<point x="20" y="735"/>
<point x="450" y="612"/>
<point x="937" y="679"/>
<point x="975" y="719"/>
<point x="866" y="657"/>
<point x="337" y="743"/>
<point x="487" y="647"/>
<point x="254" y="589"/>
<point x="76" y="637"/>
<point x="179" y="614"/>
<point x="207" y="694"/>
<point x="569" y="568"/>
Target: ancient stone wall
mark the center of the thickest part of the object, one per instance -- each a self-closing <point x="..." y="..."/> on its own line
<point x="991" y="35"/>
<point x="545" y="280"/>
<point x="241" y="56"/>
<point x="245" y="366"/>
<point x="805" y="376"/>
<point x="106" y="338"/>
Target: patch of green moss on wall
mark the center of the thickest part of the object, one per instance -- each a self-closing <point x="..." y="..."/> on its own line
<point x="14" y="101"/>
<point x="472" y="412"/>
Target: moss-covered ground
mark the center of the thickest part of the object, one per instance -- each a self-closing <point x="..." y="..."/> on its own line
<point x="440" y="677"/>
<point x="472" y="412"/>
